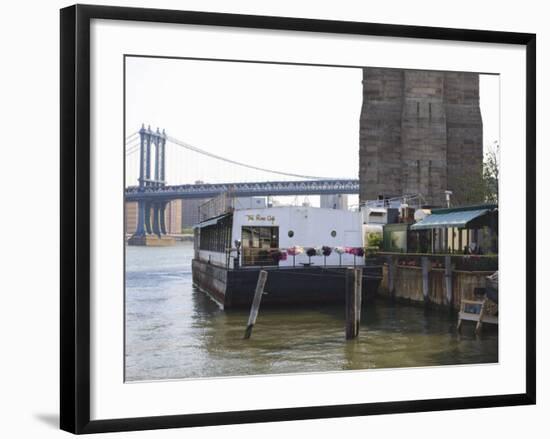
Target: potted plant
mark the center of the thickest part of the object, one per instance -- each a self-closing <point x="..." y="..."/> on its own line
<point x="326" y="252"/>
<point x="311" y="252"/>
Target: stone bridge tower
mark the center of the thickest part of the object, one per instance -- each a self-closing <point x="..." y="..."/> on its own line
<point x="420" y="132"/>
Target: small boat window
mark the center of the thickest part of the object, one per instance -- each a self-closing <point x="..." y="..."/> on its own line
<point x="333" y="233"/>
<point x="290" y="233"/>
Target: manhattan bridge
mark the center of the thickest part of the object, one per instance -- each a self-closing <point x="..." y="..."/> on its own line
<point x="152" y="154"/>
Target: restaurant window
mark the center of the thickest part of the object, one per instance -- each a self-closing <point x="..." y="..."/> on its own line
<point x="257" y="245"/>
<point x="216" y="237"/>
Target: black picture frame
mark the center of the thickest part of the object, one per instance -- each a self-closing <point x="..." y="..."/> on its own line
<point x="75" y="217"/>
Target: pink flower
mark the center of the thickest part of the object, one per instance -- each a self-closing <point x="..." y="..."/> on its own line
<point x="295" y="251"/>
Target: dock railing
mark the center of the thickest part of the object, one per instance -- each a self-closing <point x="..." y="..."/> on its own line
<point x="223" y="203"/>
<point x="460" y="261"/>
<point x="306" y="257"/>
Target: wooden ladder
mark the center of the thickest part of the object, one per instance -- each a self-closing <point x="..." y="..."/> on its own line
<point x="479" y="318"/>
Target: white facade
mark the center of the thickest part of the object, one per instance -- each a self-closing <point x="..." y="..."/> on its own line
<point x="306" y="227"/>
<point x="334" y="201"/>
<point x="375" y="215"/>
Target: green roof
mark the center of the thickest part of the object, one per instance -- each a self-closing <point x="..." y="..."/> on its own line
<point x="449" y="218"/>
<point x="464" y="208"/>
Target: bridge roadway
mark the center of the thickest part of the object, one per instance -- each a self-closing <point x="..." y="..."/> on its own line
<point x="274" y="188"/>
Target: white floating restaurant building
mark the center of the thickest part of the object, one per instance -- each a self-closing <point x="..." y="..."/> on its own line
<point x="258" y="232"/>
<point x="296" y="241"/>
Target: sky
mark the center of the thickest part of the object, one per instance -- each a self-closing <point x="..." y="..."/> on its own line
<point x="296" y="119"/>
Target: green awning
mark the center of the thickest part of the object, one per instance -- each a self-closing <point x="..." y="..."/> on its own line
<point x="449" y="219"/>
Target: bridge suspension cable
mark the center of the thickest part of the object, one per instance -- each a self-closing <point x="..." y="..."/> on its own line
<point x="235" y="162"/>
<point x="129" y="136"/>
<point x="133" y="142"/>
<point x="131" y="149"/>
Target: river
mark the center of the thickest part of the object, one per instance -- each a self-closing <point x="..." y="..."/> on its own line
<point x="174" y="331"/>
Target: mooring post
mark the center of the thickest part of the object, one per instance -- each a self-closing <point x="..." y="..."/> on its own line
<point x="352" y="324"/>
<point x="479" y="323"/>
<point x="358" y="297"/>
<point x="448" y="281"/>
<point x="391" y="276"/>
<point x="425" y="278"/>
<point x="262" y="277"/>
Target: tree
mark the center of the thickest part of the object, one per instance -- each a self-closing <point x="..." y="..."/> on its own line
<point x="484" y="188"/>
<point x="491" y="166"/>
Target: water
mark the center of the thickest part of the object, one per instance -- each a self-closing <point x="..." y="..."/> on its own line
<point x="174" y="331"/>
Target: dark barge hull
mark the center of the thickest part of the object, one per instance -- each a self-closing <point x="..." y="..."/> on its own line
<point x="285" y="286"/>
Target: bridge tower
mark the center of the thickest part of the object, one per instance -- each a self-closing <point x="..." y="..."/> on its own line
<point x="151" y="226"/>
<point x="421" y="132"/>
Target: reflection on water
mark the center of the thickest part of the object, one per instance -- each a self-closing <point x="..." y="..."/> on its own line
<point x="175" y="331"/>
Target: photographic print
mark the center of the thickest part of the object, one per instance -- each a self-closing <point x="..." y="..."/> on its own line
<point x="277" y="218"/>
<point x="294" y="218"/>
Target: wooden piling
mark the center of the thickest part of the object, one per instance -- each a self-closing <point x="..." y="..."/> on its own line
<point x="448" y="282"/>
<point x="353" y="281"/>
<point x="358" y="296"/>
<point x="262" y="277"/>
<point x="425" y="278"/>
<point x="391" y="275"/>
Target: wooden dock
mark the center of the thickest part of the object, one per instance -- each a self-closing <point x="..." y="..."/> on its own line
<point x="475" y="311"/>
<point x="430" y="279"/>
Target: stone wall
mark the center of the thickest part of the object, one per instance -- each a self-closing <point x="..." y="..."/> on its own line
<point x="380" y="133"/>
<point x="420" y="132"/>
<point x="464" y="135"/>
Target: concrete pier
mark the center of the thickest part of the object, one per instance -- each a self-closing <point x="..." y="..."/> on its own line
<point x="152" y="240"/>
